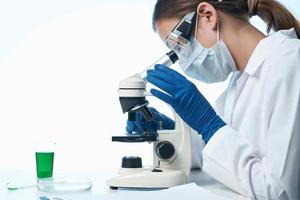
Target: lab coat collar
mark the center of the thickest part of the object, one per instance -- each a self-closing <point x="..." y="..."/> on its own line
<point x="266" y="47"/>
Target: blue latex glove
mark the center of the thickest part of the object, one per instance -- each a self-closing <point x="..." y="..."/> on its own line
<point x="186" y="100"/>
<point x="140" y="125"/>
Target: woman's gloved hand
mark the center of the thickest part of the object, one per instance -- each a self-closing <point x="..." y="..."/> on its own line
<point x="186" y="100"/>
<point x="140" y="125"/>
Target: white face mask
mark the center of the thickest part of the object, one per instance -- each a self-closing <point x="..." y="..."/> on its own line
<point x="209" y="65"/>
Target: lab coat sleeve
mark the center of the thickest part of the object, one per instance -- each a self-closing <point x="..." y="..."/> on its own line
<point x="233" y="160"/>
<point x="197" y="146"/>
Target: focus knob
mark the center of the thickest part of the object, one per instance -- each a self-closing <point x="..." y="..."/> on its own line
<point x="165" y="150"/>
<point x="131" y="162"/>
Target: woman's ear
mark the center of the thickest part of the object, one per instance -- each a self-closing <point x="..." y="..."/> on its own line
<point x="208" y="14"/>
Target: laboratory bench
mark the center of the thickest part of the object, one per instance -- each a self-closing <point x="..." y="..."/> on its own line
<point x="98" y="177"/>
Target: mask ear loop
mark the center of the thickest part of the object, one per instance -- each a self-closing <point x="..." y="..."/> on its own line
<point x="218" y="31"/>
<point x="196" y="25"/>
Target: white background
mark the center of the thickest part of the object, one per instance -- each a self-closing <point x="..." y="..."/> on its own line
<point x="60" y="63"/>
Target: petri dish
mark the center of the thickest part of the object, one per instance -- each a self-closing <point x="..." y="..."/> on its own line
<point x="63" y="185"/>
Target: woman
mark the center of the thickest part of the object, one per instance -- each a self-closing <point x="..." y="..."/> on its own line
<point x="252" y="136"/>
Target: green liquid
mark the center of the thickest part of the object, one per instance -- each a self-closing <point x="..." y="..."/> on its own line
<point x="44" y="164"/>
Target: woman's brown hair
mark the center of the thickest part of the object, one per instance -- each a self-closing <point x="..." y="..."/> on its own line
<point x="274" y="14"/>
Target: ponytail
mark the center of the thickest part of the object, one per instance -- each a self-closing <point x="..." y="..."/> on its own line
<point x="274" y="14"/>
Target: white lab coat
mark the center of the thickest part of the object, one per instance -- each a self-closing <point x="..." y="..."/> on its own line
<point x="257" y="153"/>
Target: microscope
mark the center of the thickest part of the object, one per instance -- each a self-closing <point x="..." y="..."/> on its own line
<point x="171" y="148"/>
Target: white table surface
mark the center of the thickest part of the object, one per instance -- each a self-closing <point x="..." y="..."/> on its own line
<point x="98" y="176"/>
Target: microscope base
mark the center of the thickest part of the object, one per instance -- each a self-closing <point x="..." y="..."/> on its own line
<point x="150" y="179"/>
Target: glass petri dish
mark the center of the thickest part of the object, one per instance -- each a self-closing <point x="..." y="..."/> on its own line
<point x="63" y="185"/>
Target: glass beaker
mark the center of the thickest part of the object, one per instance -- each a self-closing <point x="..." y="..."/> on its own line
<point x="44" y="155"/>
